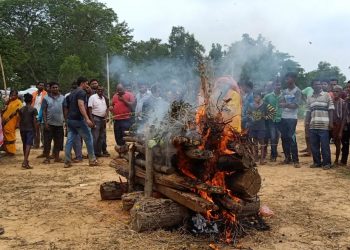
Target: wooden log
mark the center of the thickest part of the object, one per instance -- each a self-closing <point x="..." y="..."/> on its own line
<point x="112" y="190"/>
<point x="140" y="148"/>
<point x="150" y="214"/>
<point x="149" y="172"/>
<point x="129" y="133"/>
<point x="131" y="153"/>
<point x="250" y="208"/>
<point x="229" y="203"/>
<point x="183" y="140"/>
<point x="172" y="180"/>
<point x="231" y="163"/>
<point x="133" y="139"/>
<point x="189" y="200"/>
<point x="129" y="199"/>
<point x="159" y="168"/>
<point x="246" y="183"/>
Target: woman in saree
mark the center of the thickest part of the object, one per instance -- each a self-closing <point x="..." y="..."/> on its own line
<point x="10" y="119"/>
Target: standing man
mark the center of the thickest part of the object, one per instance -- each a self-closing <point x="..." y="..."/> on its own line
<point x="122" y="105"/>
<point x="79" y="123"/>
<point x="339" y="120"/>
<point x="94" y="85"/>
<point x="38" y="97"/>
<point x="98" y="108"/>
<point x="289" y="103"/>
<point x="319" y="116"/>
<point x="53" y="120"/>
<point x="141" y="97"/>
<point x="307" y="92"/>
<point x="77" y="144"/>
<point x="273" y="124"/>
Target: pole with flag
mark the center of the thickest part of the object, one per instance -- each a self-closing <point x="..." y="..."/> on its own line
<point x="108" y="88"/>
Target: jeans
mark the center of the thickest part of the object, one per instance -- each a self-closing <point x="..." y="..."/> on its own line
<point x="75" y="128"/>
<point x="120" y="126"/>
<point x="98" y="133"/>
<point x="289" y="141"/>
<point x="320" y="138"/>
<point x="77" y="148"/>
<point x="274" y="134"/>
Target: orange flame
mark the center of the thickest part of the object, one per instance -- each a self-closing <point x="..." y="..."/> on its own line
<point x="218" y="143"/>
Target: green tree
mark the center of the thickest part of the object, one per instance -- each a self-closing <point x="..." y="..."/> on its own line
<point x="184" y="47"/>
<point x="257" y="60"/>
<point x="72" y="67"/>
<point x="46" y="32"/>
<point x="324" y="71"/>
<point x="216" y="53"/>
<point x="150" y="50"/>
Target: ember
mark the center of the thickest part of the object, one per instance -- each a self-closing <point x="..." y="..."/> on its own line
<point x="214" y="171"/>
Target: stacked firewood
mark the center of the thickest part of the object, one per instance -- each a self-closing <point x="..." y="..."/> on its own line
<point x="146" y="166"/>
<point x="194" y="158"/>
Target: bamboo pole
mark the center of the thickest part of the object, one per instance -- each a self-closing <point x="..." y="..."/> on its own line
<point x="108" y="90"/>
<point x="131" y="153"/>
<point x="149" y="164"/>
<point x="3" y="75"/>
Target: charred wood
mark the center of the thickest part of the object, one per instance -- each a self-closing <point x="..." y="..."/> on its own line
<point x="246" y="183"/>
<point x="228" y="203"/>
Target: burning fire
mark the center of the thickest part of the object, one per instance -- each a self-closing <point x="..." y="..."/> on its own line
<point x="215" y="133"/>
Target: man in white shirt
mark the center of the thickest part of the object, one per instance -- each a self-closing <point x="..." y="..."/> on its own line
<point x="98" y="108"/>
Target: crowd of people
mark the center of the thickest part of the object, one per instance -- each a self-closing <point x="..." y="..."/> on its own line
<point x="274" y="116"/>
<point x="81" y="115"/>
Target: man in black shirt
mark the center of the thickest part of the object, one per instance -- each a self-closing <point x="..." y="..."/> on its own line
<point x="79" y="122"/>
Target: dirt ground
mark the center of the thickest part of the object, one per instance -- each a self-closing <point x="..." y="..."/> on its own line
<point x="50" y="207"/>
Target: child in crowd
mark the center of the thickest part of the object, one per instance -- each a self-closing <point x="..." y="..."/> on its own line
<point x="258" y="113"/>
<point x="27" y="123"/>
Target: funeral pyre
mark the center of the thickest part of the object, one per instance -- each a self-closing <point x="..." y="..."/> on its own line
<point x="197" y="157"/>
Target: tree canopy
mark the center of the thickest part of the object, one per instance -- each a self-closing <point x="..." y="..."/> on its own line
<point x="41" y="39"/>
<point x="50" y="40"/>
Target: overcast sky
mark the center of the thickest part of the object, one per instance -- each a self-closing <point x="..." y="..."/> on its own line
<point x="310" y="30"/>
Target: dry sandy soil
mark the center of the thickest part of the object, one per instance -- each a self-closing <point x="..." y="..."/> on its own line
<point x="50" y="207"/>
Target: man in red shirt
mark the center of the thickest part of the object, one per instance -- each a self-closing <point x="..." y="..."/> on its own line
<point x="122" y="106"/>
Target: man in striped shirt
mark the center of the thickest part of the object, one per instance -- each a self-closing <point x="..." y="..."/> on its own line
<point x="319" y="117"/>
